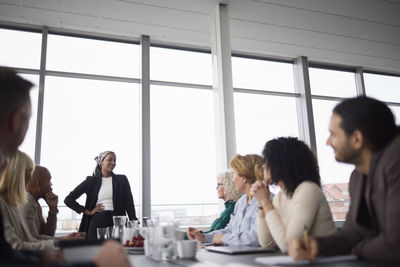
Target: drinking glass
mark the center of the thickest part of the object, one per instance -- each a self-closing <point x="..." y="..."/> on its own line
<point x="118" y="230"/>
<point x="102" y="233"/>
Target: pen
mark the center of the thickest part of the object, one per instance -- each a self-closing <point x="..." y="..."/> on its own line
<point x="306" y="239"/>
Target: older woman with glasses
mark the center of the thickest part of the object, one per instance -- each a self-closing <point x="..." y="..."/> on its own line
<point x="241" y="230"/>
<point x="226" y="191"/>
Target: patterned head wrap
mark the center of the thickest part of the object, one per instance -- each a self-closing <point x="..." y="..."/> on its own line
<point x="99" y="159"/>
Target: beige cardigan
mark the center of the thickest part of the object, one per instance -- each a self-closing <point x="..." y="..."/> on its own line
<point x="307" y="207"/>
<point x="17" y="232"/>
<point x="39" y="229"/>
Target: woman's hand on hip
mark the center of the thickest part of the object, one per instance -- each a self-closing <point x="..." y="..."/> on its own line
<point x="99" y="207"/>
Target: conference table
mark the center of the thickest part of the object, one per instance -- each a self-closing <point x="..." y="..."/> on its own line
<point x="205" y="258"/>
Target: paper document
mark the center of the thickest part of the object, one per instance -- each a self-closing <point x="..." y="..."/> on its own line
<point x="287" y="260"/>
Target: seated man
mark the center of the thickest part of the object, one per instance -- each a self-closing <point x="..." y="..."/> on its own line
<point x="40" y="187"/>
<point x="363" y="133"/>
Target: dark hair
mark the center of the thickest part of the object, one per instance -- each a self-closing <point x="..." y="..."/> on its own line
<point x="99" y="159"/>
<point x="371" y="117"/>
<point x="97" y="171"/>
<point x="14" y="91"/>
<point x="290" y="161"/>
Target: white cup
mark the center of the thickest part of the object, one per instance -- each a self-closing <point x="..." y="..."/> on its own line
<point x="178" y="234"/>
<point x="186" y="248"/>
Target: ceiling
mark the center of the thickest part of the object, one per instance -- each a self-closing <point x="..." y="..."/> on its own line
<point x="362" y="33"/>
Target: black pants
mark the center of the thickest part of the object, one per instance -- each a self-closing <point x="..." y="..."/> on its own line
<point x="99" y="219"/>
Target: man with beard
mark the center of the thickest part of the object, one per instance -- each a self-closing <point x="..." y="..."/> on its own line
<point x="363" y="133"/>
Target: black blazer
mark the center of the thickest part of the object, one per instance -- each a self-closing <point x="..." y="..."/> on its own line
<point x="122" y="198"/>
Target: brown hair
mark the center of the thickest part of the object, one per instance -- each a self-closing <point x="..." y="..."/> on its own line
<point x="249" y="166"/>
<point x="14" y="92"/>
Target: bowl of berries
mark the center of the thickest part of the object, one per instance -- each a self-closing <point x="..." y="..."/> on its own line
<point x="135" y="244"/>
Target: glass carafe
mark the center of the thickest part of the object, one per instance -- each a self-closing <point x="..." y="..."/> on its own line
<point x="118" y="229"/>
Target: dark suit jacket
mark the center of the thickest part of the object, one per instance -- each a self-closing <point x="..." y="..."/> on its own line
<point x="122" y="198"/>
<point x="372" y="227"/>
<point x="6" y="252"/>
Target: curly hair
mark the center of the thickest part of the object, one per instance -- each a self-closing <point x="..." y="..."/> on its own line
<point x="292" y="162"/>
<point x="230" y="191"/>
<point x="249" y="166"/>
<point x="12" y="184"/>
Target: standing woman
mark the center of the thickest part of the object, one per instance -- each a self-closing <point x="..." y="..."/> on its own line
<point x="107" y="195"/>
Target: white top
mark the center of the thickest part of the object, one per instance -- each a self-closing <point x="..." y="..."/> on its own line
<point x="307" y="207"/>
<point x="105" y="196"/>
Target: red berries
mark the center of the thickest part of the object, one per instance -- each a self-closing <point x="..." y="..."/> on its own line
<point x="136" y="242"/>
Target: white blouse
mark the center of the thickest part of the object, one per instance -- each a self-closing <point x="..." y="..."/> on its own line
<point x="105" y="196"/>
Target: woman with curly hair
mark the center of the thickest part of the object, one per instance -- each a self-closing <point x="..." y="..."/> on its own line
<point x="300" y="205"/>
<point x="226" y="191"/>
<point x="241" y="230"/>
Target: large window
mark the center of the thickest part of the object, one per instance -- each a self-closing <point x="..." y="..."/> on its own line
<point x="183" y="154"/>
<point x="20" y="49"/>
<point x="260" y="116"/>
<point x="335" y="176"/>
<point x="182" y="138"/>
<point x="262" y="75"/>
<point x="332" y="83"/>
<point x="76" y="129"/>
<point x="173" y="65"/>
<point x="384" y="88"/>
<point x="90" y="56"/>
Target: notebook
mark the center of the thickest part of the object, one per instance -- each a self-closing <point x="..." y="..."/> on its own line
<point x="233" y="250"/>
<point x="287" y="260"/>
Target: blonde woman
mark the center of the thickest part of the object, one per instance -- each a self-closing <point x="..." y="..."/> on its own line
<point x="12" y="197"/>
<point x="241" y="230"/>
